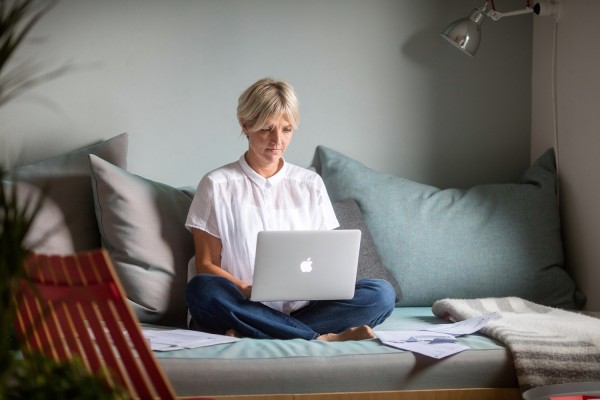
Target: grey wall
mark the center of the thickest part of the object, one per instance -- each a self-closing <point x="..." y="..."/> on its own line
<point x="578" y="131"/>
<point x="374" y="77"/>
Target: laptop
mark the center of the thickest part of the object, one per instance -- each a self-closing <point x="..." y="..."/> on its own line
<point x="305" y="265"/>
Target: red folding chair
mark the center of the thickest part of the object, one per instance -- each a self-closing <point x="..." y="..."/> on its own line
<point x="74" y="306"/>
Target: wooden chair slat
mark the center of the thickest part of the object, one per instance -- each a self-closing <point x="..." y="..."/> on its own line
<point x="74" y="306"/>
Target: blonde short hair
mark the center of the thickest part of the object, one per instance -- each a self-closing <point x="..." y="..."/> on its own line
<point x="265" y="99"/>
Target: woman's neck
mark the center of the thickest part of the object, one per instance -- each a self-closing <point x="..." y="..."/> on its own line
<point x="263" y="169"/>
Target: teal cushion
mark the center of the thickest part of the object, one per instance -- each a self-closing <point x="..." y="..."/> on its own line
<point x="369" y="261"/>
<point x="491" y="240"/>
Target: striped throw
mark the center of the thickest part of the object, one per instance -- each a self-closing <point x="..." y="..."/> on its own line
<point x="548" y="345"/>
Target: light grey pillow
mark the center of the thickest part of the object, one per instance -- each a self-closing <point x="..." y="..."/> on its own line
<point x="493" y="240"/>
<point x="48" y="233"/>
<point x="66" y="181"/>
<point x="142" y="226"/>
<point x="369" y="262"/>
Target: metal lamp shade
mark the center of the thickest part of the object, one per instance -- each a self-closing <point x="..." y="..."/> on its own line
<point x="465" y="33"/>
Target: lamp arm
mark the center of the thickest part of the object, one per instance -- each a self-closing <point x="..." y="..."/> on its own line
<point x="496" y="15"/>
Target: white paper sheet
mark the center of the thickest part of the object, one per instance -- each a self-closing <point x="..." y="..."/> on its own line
<point x="436" y="341"/>
<point x="177" y="339"/>
<point x="413" y="336"/>
<point x="465" y="327"/>
<point x="434" y="350"/>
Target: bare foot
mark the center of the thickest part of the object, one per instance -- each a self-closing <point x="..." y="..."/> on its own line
<point x="359" y="333"/>
<point x="232" y="333"/>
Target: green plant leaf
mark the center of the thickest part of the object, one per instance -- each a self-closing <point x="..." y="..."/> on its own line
<point x="17" y="18"/>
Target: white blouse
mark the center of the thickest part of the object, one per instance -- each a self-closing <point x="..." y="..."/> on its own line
<point x="234" y="203"/>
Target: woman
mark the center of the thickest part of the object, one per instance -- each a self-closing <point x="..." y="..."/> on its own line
<point x="261" y="191"/>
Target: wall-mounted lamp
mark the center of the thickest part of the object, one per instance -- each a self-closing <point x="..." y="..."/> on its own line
<point x="465" y="33"/>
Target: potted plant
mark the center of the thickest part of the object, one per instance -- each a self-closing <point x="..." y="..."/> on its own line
<point x="15" y="222"/>
<point x="17" y="18"/>
<point x="34" y="376"/>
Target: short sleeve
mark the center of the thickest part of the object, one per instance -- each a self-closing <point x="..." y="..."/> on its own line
<point x="201" y="214"/>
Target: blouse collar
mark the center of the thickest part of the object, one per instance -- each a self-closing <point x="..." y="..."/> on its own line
<point x="259" y="179"/>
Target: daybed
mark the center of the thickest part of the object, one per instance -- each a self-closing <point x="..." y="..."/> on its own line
<point x="490" y="241"/>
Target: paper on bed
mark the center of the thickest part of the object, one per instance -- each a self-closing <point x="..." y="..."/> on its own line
<point x="177" y="339"/>
<point x="431" y="349"/>
<point x="465" y="327"/>
<point x="437" y="341"/>
<point x="413" y="336"/>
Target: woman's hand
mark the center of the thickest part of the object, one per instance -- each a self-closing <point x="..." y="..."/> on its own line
<point x="246" y="290"/>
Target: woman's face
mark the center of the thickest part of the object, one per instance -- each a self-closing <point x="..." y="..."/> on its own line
<point x="267" y="145"/>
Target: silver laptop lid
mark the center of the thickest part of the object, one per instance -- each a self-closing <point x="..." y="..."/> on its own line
<point x="305" y="265"/>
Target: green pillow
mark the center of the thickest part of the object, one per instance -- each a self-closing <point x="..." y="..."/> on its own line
<point x="487" y="241"/>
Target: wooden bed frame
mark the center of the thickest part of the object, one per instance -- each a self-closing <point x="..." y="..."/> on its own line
<point x="438" y="394"/>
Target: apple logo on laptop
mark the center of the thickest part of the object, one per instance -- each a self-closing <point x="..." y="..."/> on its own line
<point x="306" y="265"/>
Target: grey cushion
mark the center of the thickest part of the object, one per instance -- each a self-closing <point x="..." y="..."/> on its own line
<point x="142" y="227"/>
<point x="490" y="240"/>
<point x="48" y="233"/>
<point x="66" y="181"/>
<point x="274" y="366"/>
<point x="369" y="261"/>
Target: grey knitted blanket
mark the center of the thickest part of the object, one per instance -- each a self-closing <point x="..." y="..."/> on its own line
<point x="548" y="345"/>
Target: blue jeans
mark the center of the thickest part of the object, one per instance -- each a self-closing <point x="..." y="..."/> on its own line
<point x="217" y="305"/>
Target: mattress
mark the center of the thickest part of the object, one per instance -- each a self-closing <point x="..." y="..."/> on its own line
<point x="252" y="366"/>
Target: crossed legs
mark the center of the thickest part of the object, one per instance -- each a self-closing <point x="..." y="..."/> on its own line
<point x="217" y="306"/>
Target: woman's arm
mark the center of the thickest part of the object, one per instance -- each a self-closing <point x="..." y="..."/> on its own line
<point x="208" y="259"/>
